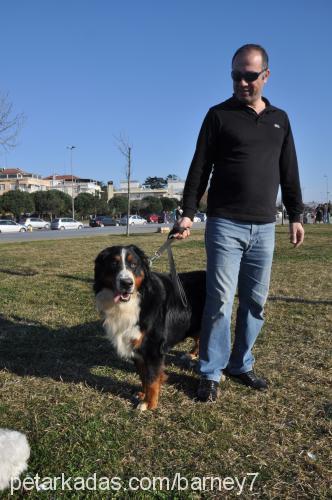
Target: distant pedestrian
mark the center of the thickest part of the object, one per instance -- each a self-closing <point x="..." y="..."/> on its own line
<point x="165" y="217"/>
<point x="325" y="214"/>
<point x="328" y="212"/>
<point x="319" y="215"/>
<point x="178" y="213"/>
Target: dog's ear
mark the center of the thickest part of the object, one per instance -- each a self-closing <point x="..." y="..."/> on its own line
<point x="102" y="256"/>
<point x="100" y="267"/>
<point x="143" y="258"/>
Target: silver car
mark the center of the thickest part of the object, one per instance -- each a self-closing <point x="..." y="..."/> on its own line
<point x="133" y="219"/>
<point x="9" y="226"/>
<point x="35" y="223"/>
<point x="66" y="223"/>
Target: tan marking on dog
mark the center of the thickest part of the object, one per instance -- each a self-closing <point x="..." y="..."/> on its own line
<point x="141" y="370"/>
<point x="152" y="392"/>
<point x="138" y="280"/>
<point x="193" y="354"/>
<point x="136" y="343"/>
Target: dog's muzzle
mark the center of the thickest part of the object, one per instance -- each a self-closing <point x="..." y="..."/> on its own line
<point x="126" y="288"/>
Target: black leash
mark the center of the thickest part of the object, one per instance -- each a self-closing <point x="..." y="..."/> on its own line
<point x="174" y="275"/>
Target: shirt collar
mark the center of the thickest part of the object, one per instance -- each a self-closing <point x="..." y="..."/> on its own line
<point x="235" y="103"/>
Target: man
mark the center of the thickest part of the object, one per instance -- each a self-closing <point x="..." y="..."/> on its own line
<point x="248" y="146"/>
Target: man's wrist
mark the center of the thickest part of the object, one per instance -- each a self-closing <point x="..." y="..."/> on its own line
<point x="188" y="213"/>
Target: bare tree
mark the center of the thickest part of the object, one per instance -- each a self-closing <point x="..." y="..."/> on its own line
<point x="10" y="124"/>
<point x="125" y="149"/>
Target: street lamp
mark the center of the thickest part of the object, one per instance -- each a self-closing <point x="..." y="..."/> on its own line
<point x="327" y="188"/>
<point x="72" y="180"/>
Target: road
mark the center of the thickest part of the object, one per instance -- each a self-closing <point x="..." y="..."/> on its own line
<point x="39" y="235"/>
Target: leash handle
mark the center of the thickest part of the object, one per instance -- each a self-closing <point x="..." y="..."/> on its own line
<point x="176" y="230"/>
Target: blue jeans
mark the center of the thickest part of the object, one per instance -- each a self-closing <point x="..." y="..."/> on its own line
<point x="238" y="254"/>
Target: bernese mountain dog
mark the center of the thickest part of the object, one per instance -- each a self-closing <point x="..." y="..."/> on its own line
<point x="143" y="314"/>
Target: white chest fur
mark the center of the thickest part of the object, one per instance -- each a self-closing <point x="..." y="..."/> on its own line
<point x="121" y="322"/>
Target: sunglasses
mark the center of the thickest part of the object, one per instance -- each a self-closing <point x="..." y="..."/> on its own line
<point x="247" y="76"/>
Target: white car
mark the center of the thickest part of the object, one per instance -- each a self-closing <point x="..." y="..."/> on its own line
<point x="9" y="226"/>
<point x="35" y="223"/>
<point x="66" y="223"/>
<point x="201" y="216"/>
<point x="133" y="219"/>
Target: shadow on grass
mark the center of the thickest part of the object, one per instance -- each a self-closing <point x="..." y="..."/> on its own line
<point x="19" y="272"/>
<point x="298" y="300"/>
<point x="69" y="355"/>
<point x="75" y="278"/>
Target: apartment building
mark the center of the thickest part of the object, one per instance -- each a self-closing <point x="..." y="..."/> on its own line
<point x="73" y="185"/>
<point x="15" y="178"/>
<point x="173" y="189"/>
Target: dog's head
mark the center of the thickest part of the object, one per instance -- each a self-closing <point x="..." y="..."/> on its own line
<point x="121" y="270"/>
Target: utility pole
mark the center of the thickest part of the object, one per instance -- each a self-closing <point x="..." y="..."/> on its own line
<point x="72" y="180"/>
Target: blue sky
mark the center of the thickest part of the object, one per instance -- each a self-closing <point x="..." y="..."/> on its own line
<point x="85" y="71"/>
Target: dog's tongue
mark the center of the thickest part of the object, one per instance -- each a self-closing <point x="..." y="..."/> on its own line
<point x="117" y="297"/>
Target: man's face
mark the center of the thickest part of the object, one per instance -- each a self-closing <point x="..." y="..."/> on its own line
<point x="245" y="91"/>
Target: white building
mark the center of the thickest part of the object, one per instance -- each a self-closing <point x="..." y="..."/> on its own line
<point x="173" y="189"/>
<point x="73" y="185"/>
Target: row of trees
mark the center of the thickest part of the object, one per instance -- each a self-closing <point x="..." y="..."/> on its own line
<point x="56" y="203"/>
<point x="159" y="182"/>
<point x="148" y="205"/>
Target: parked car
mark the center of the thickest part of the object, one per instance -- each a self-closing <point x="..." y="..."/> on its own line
<point x="66" y="223"/>
<point x="103" y="220"/>
<point x="9" y="226"/>
<point x="154" y="218"/>
<point x="133" y="219"/>
<point x="200" y="217"/>
<point x="34" y="223"/>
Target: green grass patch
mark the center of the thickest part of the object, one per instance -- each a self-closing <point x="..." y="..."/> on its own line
<point x="62" y="385"/>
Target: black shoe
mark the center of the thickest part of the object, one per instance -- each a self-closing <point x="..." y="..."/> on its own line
<point x="249" y="379"/>
<point x="207" y="390"/>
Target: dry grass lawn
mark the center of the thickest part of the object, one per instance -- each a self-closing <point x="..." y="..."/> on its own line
<point x="61" y="384"/>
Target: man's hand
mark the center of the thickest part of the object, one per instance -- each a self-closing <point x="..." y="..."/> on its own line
<point x="296" y="233"/>
<point x="184" y="222"/>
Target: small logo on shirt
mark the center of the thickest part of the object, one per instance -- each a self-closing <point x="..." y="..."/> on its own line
<point x="276" y="125"/>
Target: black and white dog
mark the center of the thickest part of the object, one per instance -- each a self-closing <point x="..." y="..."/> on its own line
<point x="143" y="314"/>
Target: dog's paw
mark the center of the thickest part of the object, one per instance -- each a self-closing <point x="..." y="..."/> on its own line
<point x="142" y="406"/>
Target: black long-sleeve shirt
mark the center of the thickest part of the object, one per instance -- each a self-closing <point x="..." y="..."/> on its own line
<point x="249" y="155"/>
